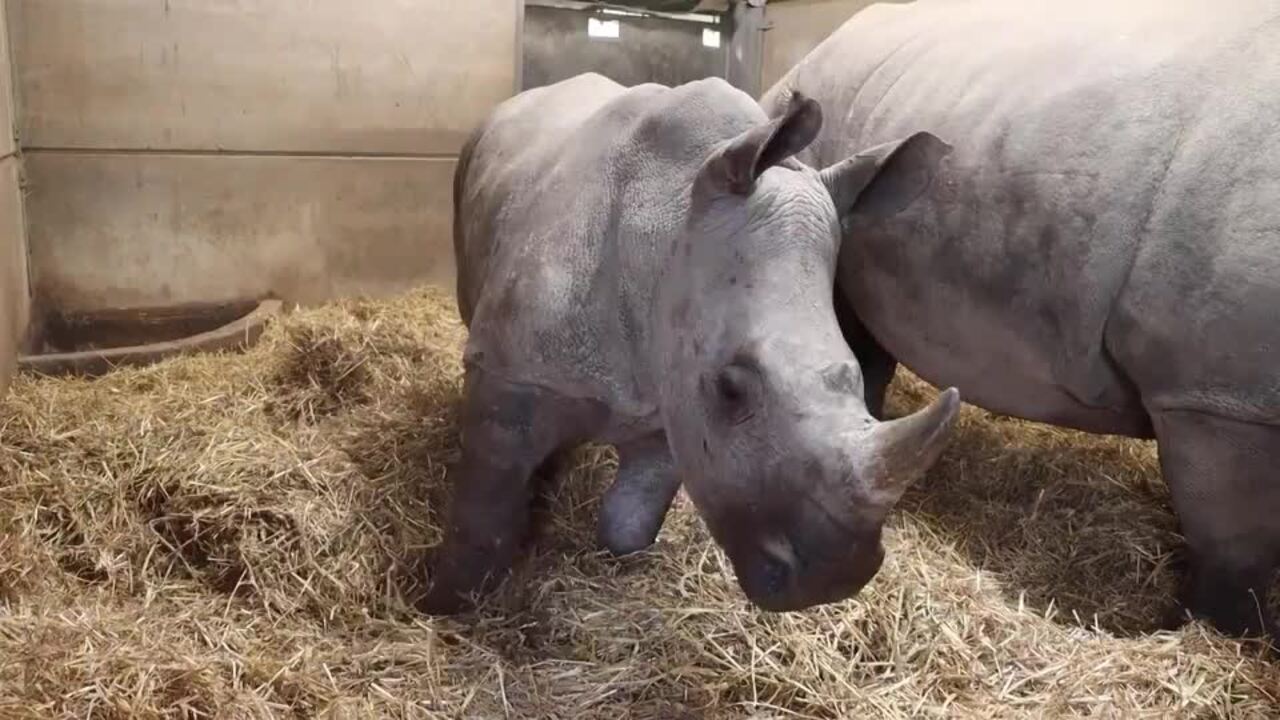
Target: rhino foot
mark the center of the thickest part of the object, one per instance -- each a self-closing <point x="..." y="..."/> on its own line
<point x="1222" y="474"/>
<point x="634" y="507"/>
<point x="449" y="594"/>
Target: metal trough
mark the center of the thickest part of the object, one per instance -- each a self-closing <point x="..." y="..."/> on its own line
<point x="94" y="344"/>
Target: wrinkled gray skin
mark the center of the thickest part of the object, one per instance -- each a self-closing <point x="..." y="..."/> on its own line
<point x="650" y="268"/>
<point x="1102" y="248"/>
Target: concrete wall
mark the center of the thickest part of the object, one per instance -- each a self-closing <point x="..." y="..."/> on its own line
<point x="799" y="26"/>
<point x="650" y="49"/>
<point x="190" y="151"/>
<point x="14" y="305"/>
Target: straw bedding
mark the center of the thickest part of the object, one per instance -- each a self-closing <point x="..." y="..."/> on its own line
<point x="237" y="536"/>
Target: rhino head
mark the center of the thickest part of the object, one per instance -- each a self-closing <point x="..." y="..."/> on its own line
<point x="761" y="397"/>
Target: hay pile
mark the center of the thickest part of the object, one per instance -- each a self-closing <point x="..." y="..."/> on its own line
<point x="231" y="537"/>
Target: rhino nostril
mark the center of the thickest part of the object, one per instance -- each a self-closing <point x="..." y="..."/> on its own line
<point x="778" y="564"/>
<point x="775" y="576"/>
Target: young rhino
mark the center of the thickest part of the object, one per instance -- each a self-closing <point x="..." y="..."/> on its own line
<point x="650" y="268"/>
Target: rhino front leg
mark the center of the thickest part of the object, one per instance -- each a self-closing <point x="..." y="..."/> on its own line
<point x="634" y="507"/>
<point x="1224" y="476"/>
<point x="878" y="366"/>
<point x="508" y="431"/>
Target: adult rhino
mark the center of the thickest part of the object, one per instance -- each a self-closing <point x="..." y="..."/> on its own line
<point x="1101" y="250"/>
<point x="649" y="267"/>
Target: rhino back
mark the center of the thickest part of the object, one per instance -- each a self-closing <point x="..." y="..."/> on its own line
<point x="503" y="156"/>
<point x="571" y="207"/>
<point x="1071" y="126"/>
<point x="1196" y="319"/>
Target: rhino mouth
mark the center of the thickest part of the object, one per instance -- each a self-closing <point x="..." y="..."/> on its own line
<point x="777" y="577"/>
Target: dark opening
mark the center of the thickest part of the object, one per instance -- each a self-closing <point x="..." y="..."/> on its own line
<point x="560" y="43"/>
<point x="107" y="329"/>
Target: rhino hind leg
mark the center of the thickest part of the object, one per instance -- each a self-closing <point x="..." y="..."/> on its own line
<point x="1224" y="476"/>
<point x="634" y="507"/>
<point x="509" y="433"/>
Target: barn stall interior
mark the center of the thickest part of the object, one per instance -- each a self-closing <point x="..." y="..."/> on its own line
<point x="239" y="534"/>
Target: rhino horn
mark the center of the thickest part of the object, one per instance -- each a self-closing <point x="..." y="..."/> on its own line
<point x="903" y="449"/>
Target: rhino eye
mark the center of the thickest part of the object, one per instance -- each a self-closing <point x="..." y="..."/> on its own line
<point x="736" y="390"/>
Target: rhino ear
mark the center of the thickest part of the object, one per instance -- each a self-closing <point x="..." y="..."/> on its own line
<point x="883" y="180"/>
<point x="737" y="165"/>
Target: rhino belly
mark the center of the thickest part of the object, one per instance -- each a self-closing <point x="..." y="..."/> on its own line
<point x="1003" y="277"/>
<point x="991" y="283"/>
